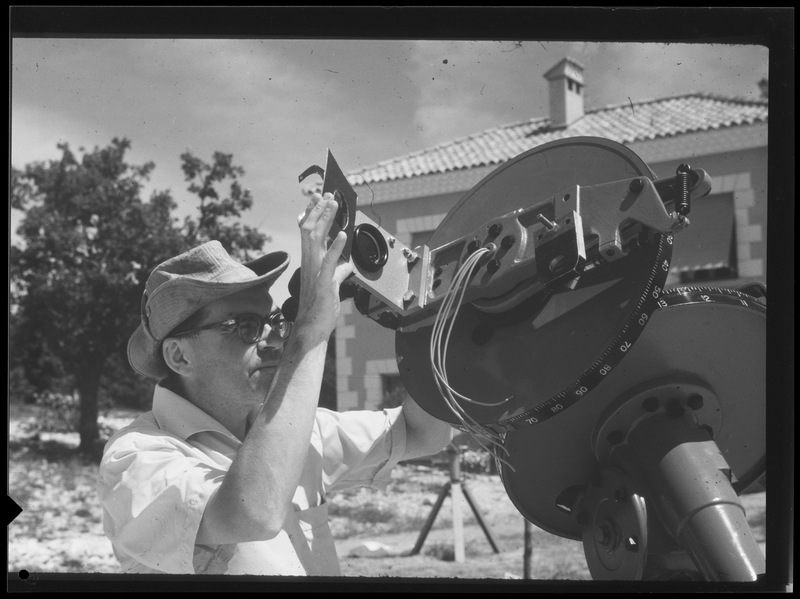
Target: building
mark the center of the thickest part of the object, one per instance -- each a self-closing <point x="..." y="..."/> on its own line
<point x="723" y="136"/>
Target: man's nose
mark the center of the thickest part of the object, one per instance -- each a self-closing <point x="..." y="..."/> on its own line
<point x="271" y="339"/>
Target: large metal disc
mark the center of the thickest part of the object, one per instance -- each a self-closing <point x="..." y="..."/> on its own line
<point x="537" y="175"/>
<point x="710" y="341"/>
<point x="542" y="356"/>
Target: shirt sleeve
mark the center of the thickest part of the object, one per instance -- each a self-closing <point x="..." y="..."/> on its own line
<point x="359" y="447"/>
<point x="153" y="491"/>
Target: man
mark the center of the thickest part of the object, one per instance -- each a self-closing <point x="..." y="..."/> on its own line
<point x="230" y="471"/>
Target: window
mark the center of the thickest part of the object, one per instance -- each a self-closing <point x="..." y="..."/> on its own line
<point x="420" y="238"/>
<point x="394" y="391"/>
<point x="706" y="250"/>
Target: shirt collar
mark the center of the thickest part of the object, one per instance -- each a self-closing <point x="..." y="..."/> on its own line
<point x="180" y="417"/>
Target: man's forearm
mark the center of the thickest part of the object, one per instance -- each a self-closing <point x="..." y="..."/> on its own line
<point x="425" y="435"/>
<point x="255" y="496"/>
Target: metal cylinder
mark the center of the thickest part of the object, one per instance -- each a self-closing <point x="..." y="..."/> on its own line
<point x="691" y="491"/>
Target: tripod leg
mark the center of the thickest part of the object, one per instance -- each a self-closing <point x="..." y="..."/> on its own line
<point x="479" y="518"/>
<point x="458" y="523"/>
<point x="429" y="522"/>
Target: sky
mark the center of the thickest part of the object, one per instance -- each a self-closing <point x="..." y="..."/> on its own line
<point x="278" y="105"/>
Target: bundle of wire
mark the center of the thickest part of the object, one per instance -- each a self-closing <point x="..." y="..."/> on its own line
<point x="440" y="339"/>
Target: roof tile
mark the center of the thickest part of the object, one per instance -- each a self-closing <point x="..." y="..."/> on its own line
<point x="626" y="123"/>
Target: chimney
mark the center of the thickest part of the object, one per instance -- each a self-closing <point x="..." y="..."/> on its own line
<point x="566" y="92"/>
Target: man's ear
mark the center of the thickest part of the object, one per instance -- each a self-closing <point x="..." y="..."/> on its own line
<point x="177" y="355"/>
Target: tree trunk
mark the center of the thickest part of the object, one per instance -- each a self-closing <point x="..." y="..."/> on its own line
<point x="88" y="383"/>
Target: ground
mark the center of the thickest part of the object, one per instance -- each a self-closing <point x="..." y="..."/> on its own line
<point x="60" y="527"/>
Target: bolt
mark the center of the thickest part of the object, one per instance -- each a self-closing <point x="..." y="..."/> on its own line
<point x="551" y="226"/>
<point x="695" y="401"/>
<point x="411" y="256"/>
<point x="495" y="229"/>
<point x="493" y="266"/>
<point x="507" y="242"/>
<point x="636" y="185"/>
<point x="409" y="296"/>
<point x="392" y="241"/>
<point x="632" y="544"/>
<point x="557" y="263"/>
<point x="650" y="404"/>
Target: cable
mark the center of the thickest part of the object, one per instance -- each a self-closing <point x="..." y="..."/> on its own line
<point x="440" y="341"/>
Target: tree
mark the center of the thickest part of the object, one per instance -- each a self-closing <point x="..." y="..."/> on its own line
<point x="77" y="281"/>
<point x="90" y="243"/>
<point x="216" y="213"/>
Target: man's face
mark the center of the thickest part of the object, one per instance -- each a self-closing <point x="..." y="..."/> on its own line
<point x="231" y="370"/>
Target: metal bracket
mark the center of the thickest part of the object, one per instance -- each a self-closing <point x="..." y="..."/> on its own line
<point x="614" y="521"/>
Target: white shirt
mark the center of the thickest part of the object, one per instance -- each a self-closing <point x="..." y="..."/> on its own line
<point x="158" y="473"/>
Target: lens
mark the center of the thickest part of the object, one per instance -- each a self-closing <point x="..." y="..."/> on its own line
<point x="370" y="251"/>
<point x="250" y="328"/>
<point x="280" y="325"/>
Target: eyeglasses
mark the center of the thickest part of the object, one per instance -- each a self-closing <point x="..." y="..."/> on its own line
<point x="249" y="326"/>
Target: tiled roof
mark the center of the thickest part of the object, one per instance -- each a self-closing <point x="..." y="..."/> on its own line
<point x="624" y="123"/>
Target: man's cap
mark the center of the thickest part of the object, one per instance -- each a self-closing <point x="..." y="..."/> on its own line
<point x="180" y="286"/>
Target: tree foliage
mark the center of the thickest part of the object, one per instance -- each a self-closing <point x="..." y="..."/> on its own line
<point x="218" y="214"/>
<point x="89" y="243"/>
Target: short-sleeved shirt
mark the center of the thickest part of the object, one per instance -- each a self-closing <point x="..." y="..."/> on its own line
<point x="158" y="473"/>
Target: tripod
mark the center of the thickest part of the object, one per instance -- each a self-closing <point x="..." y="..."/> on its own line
<point x="454" y="487"/>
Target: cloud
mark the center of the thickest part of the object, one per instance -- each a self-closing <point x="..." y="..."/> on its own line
<point x="466" y="87"/>
<point x="278" y="104"/>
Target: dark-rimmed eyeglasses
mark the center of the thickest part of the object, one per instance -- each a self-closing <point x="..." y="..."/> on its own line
<point x="249" y="326"/>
